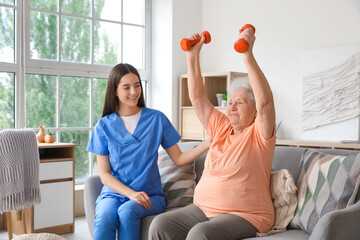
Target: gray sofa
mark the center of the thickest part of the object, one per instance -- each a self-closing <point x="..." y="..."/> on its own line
<point x="336" y="225"/>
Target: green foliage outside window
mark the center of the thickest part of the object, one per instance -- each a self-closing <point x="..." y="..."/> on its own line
<point x="7" y="34"/>
<point x="74" y="92"/>
<point x="62" y="103"/>
<point x="7" y="100"/>
<point x="77" y="7"/>
<point x="44" y="4"/>
<point x="40" y="100"/>
<point x="99" y="90"/>
<point x="7" y="1"/>
<point x="81" y="138"/>
<point x="74" y="102"/>
<point x="75" y="40"/>
<point x="43" y="36"/>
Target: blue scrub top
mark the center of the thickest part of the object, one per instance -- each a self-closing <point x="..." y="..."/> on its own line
<point x="133" y="158"/>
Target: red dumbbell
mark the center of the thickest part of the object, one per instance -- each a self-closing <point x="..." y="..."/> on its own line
<point x="186" y="43"/>
<point x="242" y="45"/>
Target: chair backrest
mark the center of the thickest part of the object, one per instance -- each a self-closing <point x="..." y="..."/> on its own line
<point x="92" y="190"/>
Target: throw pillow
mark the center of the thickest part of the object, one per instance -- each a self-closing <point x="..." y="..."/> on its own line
<point x="283" y="195"/>
<point x="178" y="183"/>
<point x="326" y="183"/>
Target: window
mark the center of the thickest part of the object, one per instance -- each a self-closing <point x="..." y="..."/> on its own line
<point x="8" y="12"/>
<point x="7" y="100"/>
<point x="55" y="57"/>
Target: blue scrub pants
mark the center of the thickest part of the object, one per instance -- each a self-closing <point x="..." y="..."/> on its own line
<point x="113" y="214"/>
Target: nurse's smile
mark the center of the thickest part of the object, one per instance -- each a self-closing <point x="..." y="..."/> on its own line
<point x="133" y="98"/>
<point x="128" y="92"/>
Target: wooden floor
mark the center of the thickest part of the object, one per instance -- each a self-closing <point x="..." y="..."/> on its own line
<point x="81" y="231"/>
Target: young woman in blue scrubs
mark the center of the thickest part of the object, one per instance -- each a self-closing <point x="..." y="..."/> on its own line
<point x="126" y="141"/>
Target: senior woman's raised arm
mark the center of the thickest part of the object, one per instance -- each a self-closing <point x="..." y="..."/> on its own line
<point x="263" y="96"/>
<point x="198" y="98"/>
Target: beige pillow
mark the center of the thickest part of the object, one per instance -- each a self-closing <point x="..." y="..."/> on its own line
<point x="283" y="194"/>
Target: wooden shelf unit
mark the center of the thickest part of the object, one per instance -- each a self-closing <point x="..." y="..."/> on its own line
<point x="190" y="127"/>
<point x="55" y="213"/>
<point x="317" y="144"/>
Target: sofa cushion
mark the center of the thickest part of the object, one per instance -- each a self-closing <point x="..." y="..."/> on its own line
<point x="325" y="183"/>
<point x="178" y="183"/>
<point x="287" y="158"/>
<point x="289" y="234"/>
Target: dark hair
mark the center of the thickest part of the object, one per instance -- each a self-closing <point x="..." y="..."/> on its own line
<point x="111" y="103"/>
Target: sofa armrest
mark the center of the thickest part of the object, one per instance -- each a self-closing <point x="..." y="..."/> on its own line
<point x="339" y="224"/>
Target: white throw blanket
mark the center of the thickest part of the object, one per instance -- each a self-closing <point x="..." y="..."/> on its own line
<point x="283" y="194"/>
<point x="19" y="170"/>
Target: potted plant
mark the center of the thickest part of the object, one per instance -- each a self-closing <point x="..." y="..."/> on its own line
<point x="221" y="98"/>
<point x="49" y="137"/>
<point x="224" y="98"/>
<point x="224" y="92"/>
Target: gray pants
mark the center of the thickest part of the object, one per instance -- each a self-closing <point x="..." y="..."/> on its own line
<point x="192" y="224"/>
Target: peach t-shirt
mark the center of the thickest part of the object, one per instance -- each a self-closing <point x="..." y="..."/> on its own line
<point x="236" y="176"/>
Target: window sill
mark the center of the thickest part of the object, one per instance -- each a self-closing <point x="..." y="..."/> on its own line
<point x="79" y="187"/>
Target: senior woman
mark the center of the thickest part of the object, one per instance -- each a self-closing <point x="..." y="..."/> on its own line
<point x="232" y="199"/>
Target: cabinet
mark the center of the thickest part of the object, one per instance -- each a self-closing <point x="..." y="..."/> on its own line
<point x="190" y="127"/>
<point x="55" y="213"/>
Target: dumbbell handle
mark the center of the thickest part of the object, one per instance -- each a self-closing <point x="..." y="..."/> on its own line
<point x="186" y="43"/>
<point x="242" y="45"/>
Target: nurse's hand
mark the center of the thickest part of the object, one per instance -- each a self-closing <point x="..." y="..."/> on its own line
<point x="141" y="198"/>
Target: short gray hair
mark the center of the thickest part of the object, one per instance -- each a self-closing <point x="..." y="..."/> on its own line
<point x="242" y="83"/>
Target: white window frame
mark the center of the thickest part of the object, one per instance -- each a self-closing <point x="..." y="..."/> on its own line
<point x="25" y="65"/>
<point x="16" y="66"/>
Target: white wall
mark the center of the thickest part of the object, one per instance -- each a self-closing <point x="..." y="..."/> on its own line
<point x="317" y="61"/>
<point x="161" y="96"/>
<point x="172" y="20"/>
<point x="284" y="31"/>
